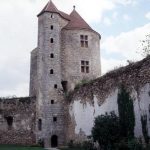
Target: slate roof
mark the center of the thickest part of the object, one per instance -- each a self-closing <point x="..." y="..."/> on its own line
<point x="75" y="20"/>
<point x="50" y="7"/>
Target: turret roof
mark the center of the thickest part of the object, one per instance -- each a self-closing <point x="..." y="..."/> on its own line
<point x="50" y="7"/>
<point x="77" y="22"/>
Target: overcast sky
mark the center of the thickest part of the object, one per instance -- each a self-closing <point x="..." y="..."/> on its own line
<point x="121" y="23"/>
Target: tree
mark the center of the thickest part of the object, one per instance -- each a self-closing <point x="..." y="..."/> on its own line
<point x="146" y="46"/>
<point x="126" y="113"/>
<point x="106" y="130"/>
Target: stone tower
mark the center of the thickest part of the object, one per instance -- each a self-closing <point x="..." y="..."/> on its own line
<point x="67" y="52"/>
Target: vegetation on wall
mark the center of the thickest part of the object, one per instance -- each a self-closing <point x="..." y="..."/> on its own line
<point x="126" y="113"/>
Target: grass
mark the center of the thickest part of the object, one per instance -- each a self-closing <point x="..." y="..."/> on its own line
<point x="14" y="147"/>
<point x="72" y="149"/>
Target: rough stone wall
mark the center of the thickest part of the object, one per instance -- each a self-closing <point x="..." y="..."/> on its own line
<point x="33" y="73"/>
<point x="22" y="130"/>
<point x="46" y="81"/>
<point x="100" y="96"/>
<point x="73" y="53"/>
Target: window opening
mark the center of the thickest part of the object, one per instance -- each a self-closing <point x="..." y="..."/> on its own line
<point x="52" y="101"/>
<point x="84" y="40"/>
<point x="52" y="40"/>
<point x="52" y="27"/>
<point x="54" y="119"/>
<point x="84" y="66"/>
<point x="51" y="55"/>
<point x="51" y="71"/>
<point x="55" y="86"/>
<point x="52" y="15"/>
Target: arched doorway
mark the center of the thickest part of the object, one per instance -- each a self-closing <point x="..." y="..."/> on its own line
<point x="54" y="141"/>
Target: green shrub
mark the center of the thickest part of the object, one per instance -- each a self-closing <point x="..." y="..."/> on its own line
<point x="106" y="130"/>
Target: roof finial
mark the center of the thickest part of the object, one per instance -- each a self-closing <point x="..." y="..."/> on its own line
<point x="74" y="7"/>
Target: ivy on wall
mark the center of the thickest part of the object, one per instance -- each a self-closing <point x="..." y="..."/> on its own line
<point x="126" y="113"/>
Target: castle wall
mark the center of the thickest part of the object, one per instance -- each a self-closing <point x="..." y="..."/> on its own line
<point x="21" y="129"/>
<point x="72" y="55"/>
<point x="100" y="96"/>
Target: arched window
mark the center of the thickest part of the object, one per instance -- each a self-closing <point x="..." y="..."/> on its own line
<point x="51" y="55"/>
<point x="40" y="124"/>
<point x="51" y="71"/>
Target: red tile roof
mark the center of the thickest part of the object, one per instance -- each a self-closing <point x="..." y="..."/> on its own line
<point x="50" y="7"/>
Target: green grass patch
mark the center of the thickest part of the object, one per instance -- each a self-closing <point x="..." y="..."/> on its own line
<point x="72" y="149"/>
<point x="16" y="147"/>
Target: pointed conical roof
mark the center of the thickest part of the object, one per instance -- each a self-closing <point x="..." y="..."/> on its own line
<point x="50" y="7"/>
<point x="77" y="22"/>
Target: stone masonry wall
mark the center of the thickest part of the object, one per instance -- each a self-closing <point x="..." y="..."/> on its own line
<point x="17" y="121"/>
<point x="72" y="54"/>
<point x="33" y="73"/>
<point x="49" y="85"/>
<point x="100" y="96"/>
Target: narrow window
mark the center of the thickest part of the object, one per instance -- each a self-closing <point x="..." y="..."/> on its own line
<point x="82" y="69"/>
<point x="84" y="66"/>
<point x="40" y="124"/>
<point x="87" y="69"/>
<point x="52" y="40"/>
<point x="86" y="44"/>
<point x="82" y="43"/>
<point x="51" y="71"/>
<point x="52" y="101"/>
<point x="54" y="119"/>
<point x="51" y="55"/>
<point x="52" y="27"/>
<point x="84" y="40"/>
<point x="55" y="86"/>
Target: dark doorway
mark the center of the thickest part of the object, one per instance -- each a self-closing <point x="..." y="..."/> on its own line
<point x="54" y="141"/>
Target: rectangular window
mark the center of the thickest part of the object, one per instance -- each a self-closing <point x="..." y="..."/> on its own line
<point x="40" y="124"/>
<point x="84" y="40"/>
<point x="84" y="66"/>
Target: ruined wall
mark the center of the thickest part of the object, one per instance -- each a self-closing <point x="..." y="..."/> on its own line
<point x="100" y="96"/>
<point x="17" y="121"/>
